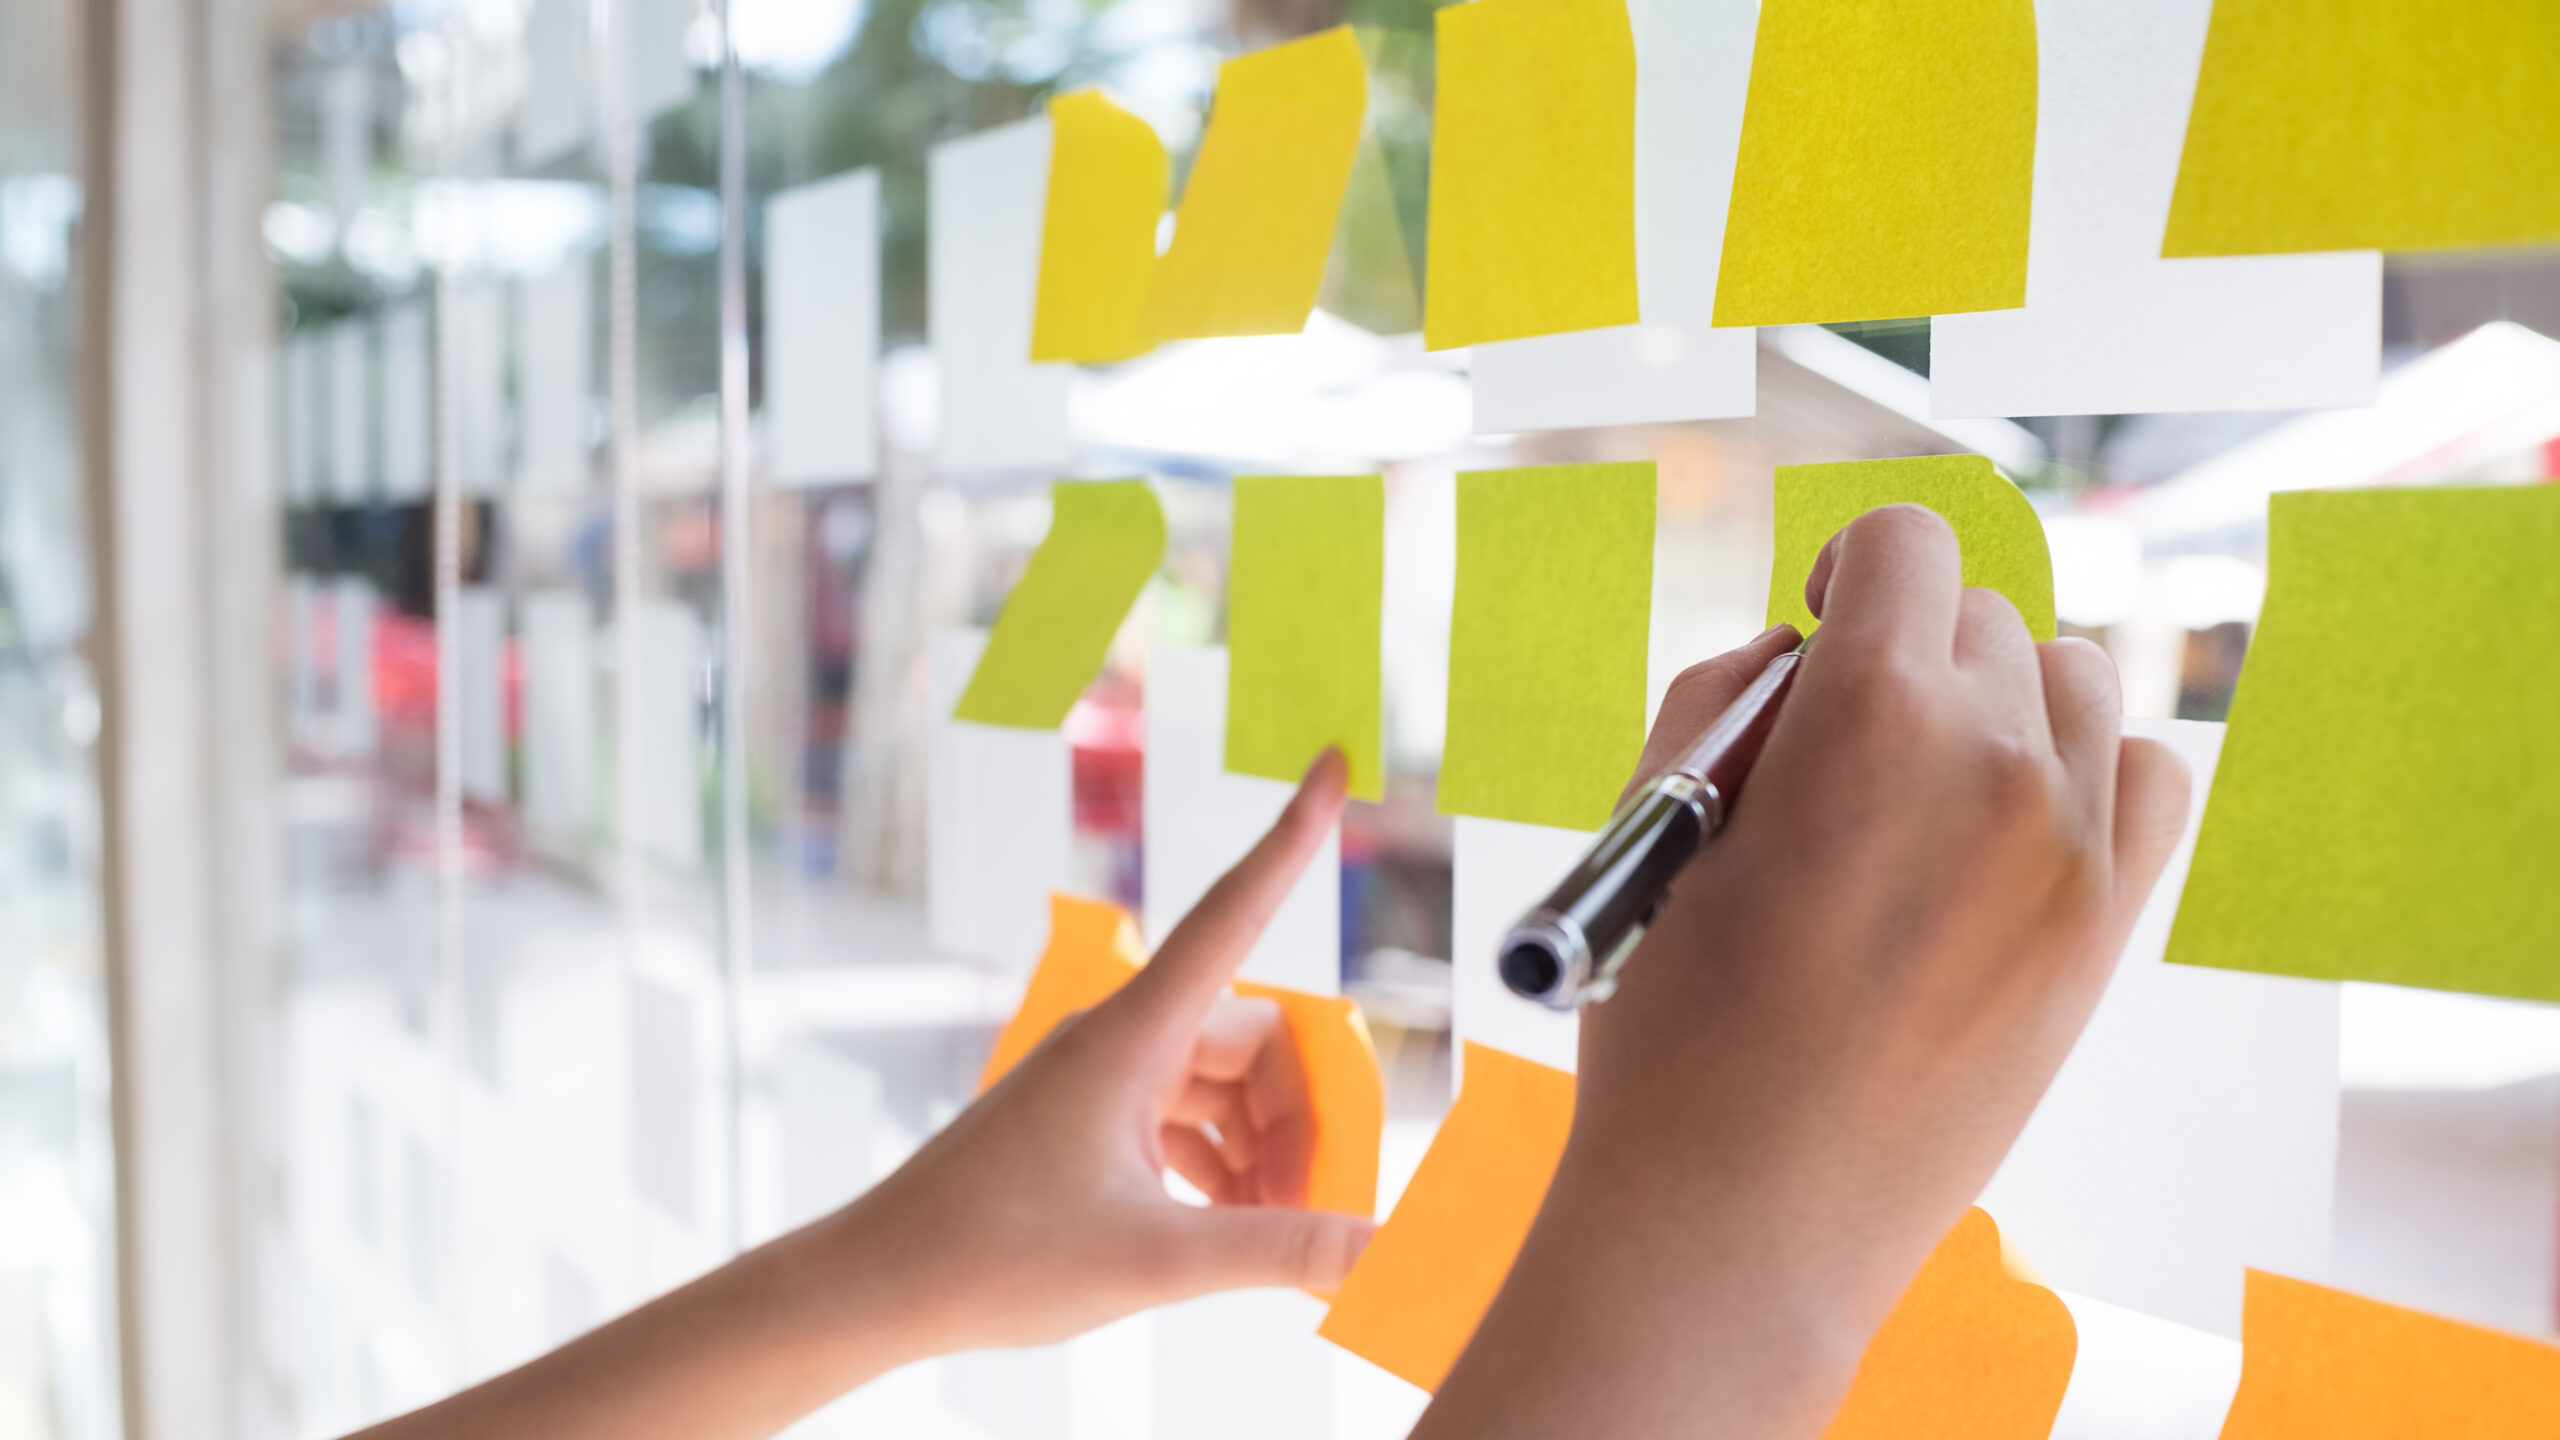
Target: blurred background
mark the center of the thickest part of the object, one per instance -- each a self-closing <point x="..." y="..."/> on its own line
<point x="523" y="902"/>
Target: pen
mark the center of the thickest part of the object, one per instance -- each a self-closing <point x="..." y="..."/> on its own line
<point x="1566" y="952"/>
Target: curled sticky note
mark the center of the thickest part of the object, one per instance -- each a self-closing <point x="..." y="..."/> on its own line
<point x="2316" y="1361"/>
<point x="1533" y="156"/>
<point x="1258" y="211"/>
<point x="1094" y="949"/>
<point x="1548" y="632"/>
<point x="2002" y="540"/>
<point x="1304" y="588"/>
<point x="1107" y="179"/>
<point x="2386" y="124"/>
<point x="1970" y="1352"/>
<point x="2390" y="781"/>
<point x="1887" y="162"/>
<point x="1105" y="539"/>
<point x="1413" y="1300"/>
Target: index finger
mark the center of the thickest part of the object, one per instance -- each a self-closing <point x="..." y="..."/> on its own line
<point x="1894" y="581"/>
<point x="1175" y="989"/>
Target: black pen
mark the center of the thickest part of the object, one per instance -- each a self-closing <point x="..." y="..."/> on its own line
<point x="1566" y="952"/>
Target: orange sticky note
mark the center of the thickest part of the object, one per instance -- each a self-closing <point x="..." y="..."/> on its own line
<point x="2316" y="1361"/>
<point x="1414" y="1299"/>
<point x="1970" y="1352"/>
<point x="1094" y="949"/>
<point x="1344" y="1090"/>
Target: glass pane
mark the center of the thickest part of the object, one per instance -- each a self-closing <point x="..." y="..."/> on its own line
<point x="57" y="1211"/>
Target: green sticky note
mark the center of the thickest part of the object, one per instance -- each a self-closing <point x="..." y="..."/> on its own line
<point x="1547" y="642"/>
<point x="2002" y="540"/>
<point x="1303" y="588"/>
<point x="2390" y="784"/>
<point x="1105" y="538"/>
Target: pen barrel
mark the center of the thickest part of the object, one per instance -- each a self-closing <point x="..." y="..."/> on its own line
<point x="1559" y="949"/>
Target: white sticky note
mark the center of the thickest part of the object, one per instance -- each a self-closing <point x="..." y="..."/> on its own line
<point x="998" y="410"/>
<point x="1200" y="820"/>
<point x="666" y="747"/>
<point x="2192" y="1132"/>
<point x="559" y="713"/>
<point x="480" y="640"/>
<point x="350" y="468"/>
<point x="822" y="329"/>
<point x="1499" y="869"/>
<point x="553" y="115"/>
<point x="1693" y="66"/>
<point x="2136" y="1377"/>
<point x="1245" y="1365"/>
<point x="477" y="316"/>
<point x="1000" y="821"/>
<point x="359" y="724"/>
<point x="555" y="334"/>
<point x="661" y="67"/>
<point x="299" y="399"/>
<point x="408" y="399"/>
<point x="2109" y="327"/>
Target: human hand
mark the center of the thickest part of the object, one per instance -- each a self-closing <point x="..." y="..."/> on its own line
<point x="1041" y="1212"/>
<point x="1847" y="1009"/>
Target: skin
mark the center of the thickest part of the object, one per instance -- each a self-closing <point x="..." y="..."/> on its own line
<point x="1832" y="1035"/>
<point x="1850" y="1004"/>
<point x="1038" y="1214"/>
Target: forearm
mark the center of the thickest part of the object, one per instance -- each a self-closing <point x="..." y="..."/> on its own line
<point x="1635" y="1311"/>
<point x="740" y="1352"/>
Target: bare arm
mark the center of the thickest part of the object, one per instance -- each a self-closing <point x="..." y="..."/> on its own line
<point x="1038" y="1214"/>
<point x="1850" y="1005"/>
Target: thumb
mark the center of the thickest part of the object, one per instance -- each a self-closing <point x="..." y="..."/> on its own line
<point x="1240" y="1247"/>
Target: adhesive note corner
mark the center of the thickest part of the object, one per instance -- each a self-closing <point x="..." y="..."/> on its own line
<point x="1107" y="179"/>
<point x="1887" y="163"/>
<point x="2387" y="655"/>
<point x="1093" y="950"/>
<point x="2390" y="124"/>
<point x="2316" y="1361"/>
<point x="1547" y="642"/>
<point x="1413" y="1300"/>
<point x="1970" y="1352"/>
<point x="2002" y="540"/>
<point x="1304" y="591"/>
<point x="1532" y="205"/>
<point x="1105" y="539"/>
<point x="1256" y="222"/>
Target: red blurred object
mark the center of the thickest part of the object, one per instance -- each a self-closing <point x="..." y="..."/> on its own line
<point x="1108" y="735"/>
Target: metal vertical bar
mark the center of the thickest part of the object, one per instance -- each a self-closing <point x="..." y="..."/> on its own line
<point x="736" y="921"/>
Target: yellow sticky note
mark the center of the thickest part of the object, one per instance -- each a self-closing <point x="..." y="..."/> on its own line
<point x="1998" y="531"/>
<point x="1094" y="949"/>
<point x="1257" y="215"/>
<point x="1970" y="1352"/>
<point x="2390" y="782"/>
<point x="2320" y="1362"/>
<point x="2381" y="125"/>
<point x="1303" y="595"/>
<point x="1104" y="540"/>
<point x="1415" y="1297"/>
<point x="1547" y="642"/>
<point x="1107" y="179"/>
<point x="1533" y="188"/>
<point x="1887" y="161"/>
